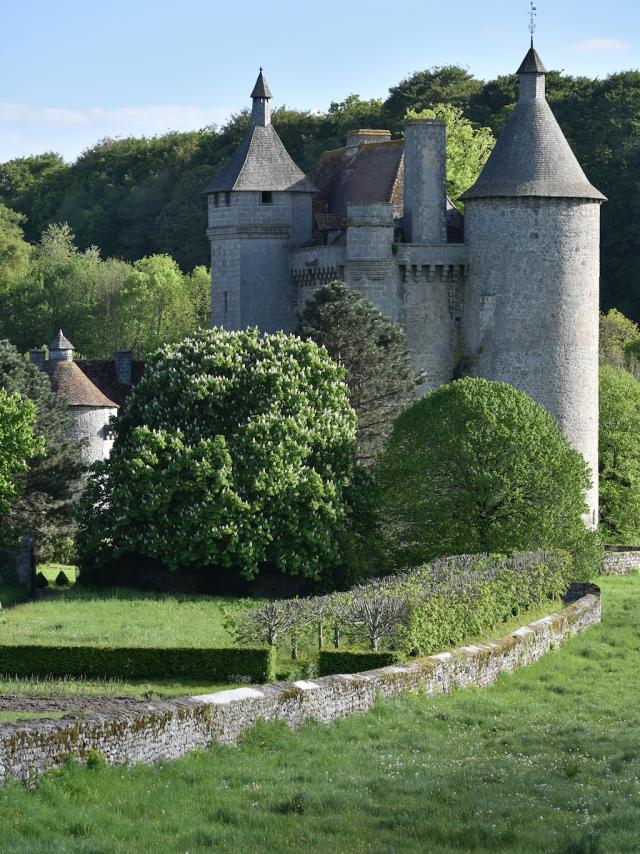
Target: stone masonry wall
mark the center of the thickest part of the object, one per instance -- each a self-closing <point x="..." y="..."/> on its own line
<point x="621" y="560"/>
<point x="153" y="731"/>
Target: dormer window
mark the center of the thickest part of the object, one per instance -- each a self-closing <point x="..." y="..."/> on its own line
<point x="266" y="197"/>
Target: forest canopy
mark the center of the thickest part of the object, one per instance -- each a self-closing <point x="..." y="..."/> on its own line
<point x="140" y="197"/>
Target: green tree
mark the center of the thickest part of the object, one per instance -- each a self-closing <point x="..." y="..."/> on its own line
<point x="619" y="454"/>
<point x="477" y="466"/>
<point x="14" y="250"/>
<point x="49" y="485"/>
<point x="235" y="449"/>
<point x="17" y="446"/>
<point x="447" y="84"/>
<point x="619" y="342"/>
<point x="374" y="352"/>
<point x="468" y="147"/>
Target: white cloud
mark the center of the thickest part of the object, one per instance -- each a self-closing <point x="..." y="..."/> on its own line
<point x="601" y="45"/>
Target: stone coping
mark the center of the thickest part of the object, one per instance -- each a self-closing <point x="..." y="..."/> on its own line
<point x="145" y="732"/>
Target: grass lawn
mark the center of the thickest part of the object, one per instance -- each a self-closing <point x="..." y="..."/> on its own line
<point x="547" y="760"/>
<point x="118" y="618"/>
<point x="52" y="570"/>
<point x="11" y="717"/>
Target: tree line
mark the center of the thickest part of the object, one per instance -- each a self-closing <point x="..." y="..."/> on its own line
<point x="139" y="197"/>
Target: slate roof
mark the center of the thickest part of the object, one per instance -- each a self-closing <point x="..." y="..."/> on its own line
<point x="532" y="64"/>
<point x="69" y="381"/>
<point x="102" y="373"/>
<point x="261" y="162"/>
<point x="60" y="342"/>
<point x="261" y="89"/>
<point x="373" y="174"/>
<point x="532" y="156"/>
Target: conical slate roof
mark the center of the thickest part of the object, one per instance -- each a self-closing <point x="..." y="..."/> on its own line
<point x="261" y="89"/>
<point x="60" y="342"/>
<point x="262" y="163"/>
<point x="68" y="381"/>
<point x="532" y="64"/>
<point x="532" y="156"/>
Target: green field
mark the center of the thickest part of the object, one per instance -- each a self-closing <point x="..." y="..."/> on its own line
<point x="547" y="760"/>
<point x="118" y="618"/>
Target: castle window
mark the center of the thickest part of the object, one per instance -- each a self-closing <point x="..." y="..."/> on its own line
<point x="227" y="199"/>
<point x="216" y="200"/>
<point x="266" y="197"/>
<point x="226" y="302"/>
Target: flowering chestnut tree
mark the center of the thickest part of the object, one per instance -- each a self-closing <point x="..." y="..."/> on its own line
<point x="234" y="449"/>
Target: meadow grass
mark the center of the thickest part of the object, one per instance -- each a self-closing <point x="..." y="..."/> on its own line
<point x="118" y="617"/>
<point x="52" y="570"/>
<point x="11" y="717"/>
<point x="547" y="760"/>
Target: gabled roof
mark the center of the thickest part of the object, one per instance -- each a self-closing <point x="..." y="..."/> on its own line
<point x="261" y="89"/>
<point x="532" y="64"/>
<point x="373" y="174"/>
<point x="68" y="381"/>
<point x="261" y="163"/>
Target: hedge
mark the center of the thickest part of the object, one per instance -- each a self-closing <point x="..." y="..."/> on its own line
<point x="331" y="661"/>
<point x="231" y="664"/>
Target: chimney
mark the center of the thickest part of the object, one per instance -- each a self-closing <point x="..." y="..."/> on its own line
<point x="36" y="357"/>
<point x="122" y="360"/>
<point x="425" y="182"/>
<point x="356" y="138"/>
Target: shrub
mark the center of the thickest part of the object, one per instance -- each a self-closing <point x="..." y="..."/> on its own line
<point x="41" y="581"/>
<point x="477" y="466"/>
<point x="62" y="579"/>
<point x="619" y="456"/>
<point x="235" y="449"/>
<point x="92" y="662"/>
<point x="331" y="661"/>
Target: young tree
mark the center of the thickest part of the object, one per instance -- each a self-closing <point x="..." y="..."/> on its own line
<point x="17" y="446"/>
<point x="477" y="466"/>
<point x="619" y="342"/>
<point x="235" y="450"/>
<point x="14" y="249"/>
<point x="468" y="147"/>
<point x="619" y="456"/>
<point x="373" y="350"/>
<point x="447" y="84"/>
<point x="49" y="485"/>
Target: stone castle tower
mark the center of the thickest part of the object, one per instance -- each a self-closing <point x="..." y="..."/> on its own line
<point x="508" y="292"/>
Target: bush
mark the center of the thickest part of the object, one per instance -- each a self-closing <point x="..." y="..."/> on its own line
<point x="420" y="611"/>
<point x="235" y="449"/>
<point x="62" y="579"/>
<point x="619" y="456"/>
<point x="477" y="466"/>
<point x="331" y="661"/>
<point x="41" y="581"/>
<point x="91" y="662"/>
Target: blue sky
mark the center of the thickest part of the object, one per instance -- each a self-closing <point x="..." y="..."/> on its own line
<point x="76" y="71"/>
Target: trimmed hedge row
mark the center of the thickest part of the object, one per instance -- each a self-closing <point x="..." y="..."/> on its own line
<point x="232" y="664"/>
<point x="332" y="661"/>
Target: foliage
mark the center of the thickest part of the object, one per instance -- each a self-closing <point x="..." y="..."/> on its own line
<point x="108" y="304"/>
<point x="14" y="249"/>
<point x="483" y="468"/>
<point x="17" y="446"/>
<point x="92" y="662"/>
<point x="468" y="146"/>
<point x="420" y="611"/>
<point x="46" y="500"/>
<point x="619" y="342"/>
<point x="619" y="451"/>
<point x="234" y="449"/>
<point x="448" y="84"/>
<point x="374" y="352"/>
<point x="332" y="661"/>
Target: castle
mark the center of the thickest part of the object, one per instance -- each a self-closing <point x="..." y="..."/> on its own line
<point x="508" y="292"/>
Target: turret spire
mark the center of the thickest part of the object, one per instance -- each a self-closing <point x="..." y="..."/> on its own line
<point x="261" y="112"/>
<point x="533" y="12"/>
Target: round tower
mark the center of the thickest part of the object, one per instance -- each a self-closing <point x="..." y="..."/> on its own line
<point x="532" y="225"/>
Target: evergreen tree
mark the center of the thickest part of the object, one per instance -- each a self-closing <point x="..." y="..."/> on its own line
<point x="374" y="352"/>
<point x="45" y="502"/>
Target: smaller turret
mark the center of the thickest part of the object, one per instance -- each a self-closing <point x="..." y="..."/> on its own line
<point x="261" y="95"/>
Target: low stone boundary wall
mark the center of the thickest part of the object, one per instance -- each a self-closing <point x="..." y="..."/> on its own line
<point x="150" y="731"/>
<point x="621" y="560"/>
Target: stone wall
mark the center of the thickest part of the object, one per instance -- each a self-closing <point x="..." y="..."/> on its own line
<point x="90" y="425"/>
<point x="151" y="731"/>
<point x="621" y="560"/>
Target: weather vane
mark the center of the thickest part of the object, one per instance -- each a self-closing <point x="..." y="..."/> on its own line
<point x="533" y="11"/>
